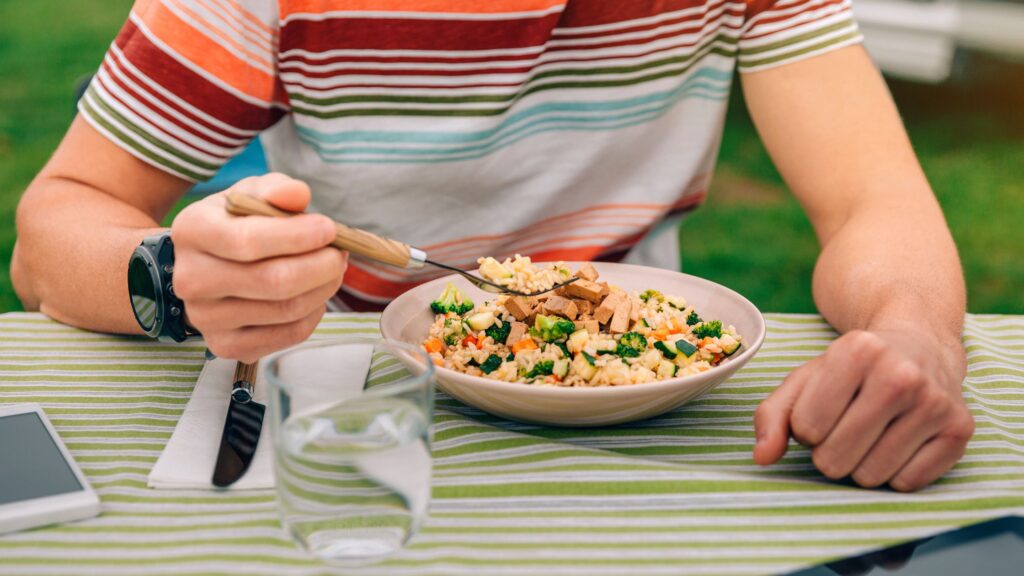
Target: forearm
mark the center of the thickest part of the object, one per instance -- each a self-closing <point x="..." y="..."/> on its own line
<point x="893" y="267"/>
<point x="71" y="258"/>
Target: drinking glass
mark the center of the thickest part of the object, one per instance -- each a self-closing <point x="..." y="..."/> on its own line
<point x="349" y="423"/>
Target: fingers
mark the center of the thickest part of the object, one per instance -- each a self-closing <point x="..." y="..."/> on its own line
<point x="247" y="239"/>
<point x="885" y="394"/>
<point x="253" y="285"/>
<point x="937" y="456"/>
<point x="282" y="191"/>
<point x="203" y="277"/>
<point x="250" y="343"/>
<point x="224" y="314"/>
<point x="899" y="443"/>
<point x="771" y="419"/>
<point x="827" y="395"/>
<point x="874" y="406"/>
<point x="207" y="227"/>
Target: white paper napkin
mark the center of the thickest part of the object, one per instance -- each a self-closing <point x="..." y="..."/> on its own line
<point x="188" y="460"/>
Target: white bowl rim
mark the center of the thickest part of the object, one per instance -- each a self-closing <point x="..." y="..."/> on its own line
<point x="576" y="391"/>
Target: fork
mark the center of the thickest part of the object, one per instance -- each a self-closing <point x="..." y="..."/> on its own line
<point x="372" y="246"/>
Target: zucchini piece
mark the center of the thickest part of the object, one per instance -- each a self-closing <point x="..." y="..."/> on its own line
<point x="590" y="359"/>
<point x="583" y="367"/>
<point x="577" y="340"/>
<point x="729" y="345"/>
<point x="666" y="349"/>
<point x="561" y="368"/>
<point x="666" y="370"/>
<point x="565" y="350"/>
<point x="492" y="363"/>
<point x="481" y="321"/>
<point x="685" y="348"/>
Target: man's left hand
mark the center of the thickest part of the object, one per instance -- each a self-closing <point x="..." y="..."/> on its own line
<point x="880" y="406"/>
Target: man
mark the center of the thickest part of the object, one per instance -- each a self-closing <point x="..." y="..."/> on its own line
<point x="563" y="130"/>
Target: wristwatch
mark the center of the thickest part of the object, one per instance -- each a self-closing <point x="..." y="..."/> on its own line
<point x="158" y="311"/>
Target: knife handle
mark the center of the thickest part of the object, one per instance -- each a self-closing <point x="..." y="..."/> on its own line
<point x="366" y="244"/>
<point x="245" y="381"/>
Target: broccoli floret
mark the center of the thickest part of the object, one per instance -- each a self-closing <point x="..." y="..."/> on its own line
<point x="646" y="295"/>
<point x="693" y="319"/>
<point x="451" y="300"/>
<point x="541" y="368"/>
<point x="551" y="328"/>
<point x="712" y="329"/>
<point x="631" y="345"/>
<point x="492" y="363"/>
<point x="499" y="333"/>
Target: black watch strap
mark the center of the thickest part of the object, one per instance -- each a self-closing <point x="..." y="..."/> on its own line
<point x="159" y="312"/>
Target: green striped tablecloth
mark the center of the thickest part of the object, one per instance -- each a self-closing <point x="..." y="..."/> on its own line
<point x="673" y="495"/>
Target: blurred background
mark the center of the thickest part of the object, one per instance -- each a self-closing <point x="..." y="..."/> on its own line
<point x="956" y="69"/>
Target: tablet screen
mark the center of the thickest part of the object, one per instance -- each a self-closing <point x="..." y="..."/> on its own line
<point x="993" y="547"/>
<point x="31" y="464"/>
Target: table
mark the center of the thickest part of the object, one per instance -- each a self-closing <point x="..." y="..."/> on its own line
<point x="672" y="495"/>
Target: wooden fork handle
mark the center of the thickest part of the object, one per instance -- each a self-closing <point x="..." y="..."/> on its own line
<point x="366" y="244"/>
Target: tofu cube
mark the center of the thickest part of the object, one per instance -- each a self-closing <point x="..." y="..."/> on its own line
<point x="604" y="312"/>
<point x="620" y="319"/>
<point x="560" y="306"/>
<point x="587" y="272"/>
<point x="519" y="307"/>
<point x="586" y="290"/>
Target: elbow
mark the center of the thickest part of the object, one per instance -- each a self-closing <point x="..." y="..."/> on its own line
<point x="22" y="277"/>
<point x="22" y="280"/>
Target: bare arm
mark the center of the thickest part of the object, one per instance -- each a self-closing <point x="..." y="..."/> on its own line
<point x="883" y="404"/>
<point x="78" y="223"/>
<point x="250" y="285"/>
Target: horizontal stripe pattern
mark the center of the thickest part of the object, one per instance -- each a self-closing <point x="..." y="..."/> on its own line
<point x="663" y="496"/>
<point x="464" y="119"/>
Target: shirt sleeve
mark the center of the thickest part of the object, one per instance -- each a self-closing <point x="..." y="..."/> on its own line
<point x="777" y="32"/>
<point x="188" y="83"/>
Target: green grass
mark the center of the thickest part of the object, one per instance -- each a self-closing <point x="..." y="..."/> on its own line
<point x="970" y="138"/>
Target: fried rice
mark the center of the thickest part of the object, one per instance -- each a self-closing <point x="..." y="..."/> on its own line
<point x="586" y="334"/>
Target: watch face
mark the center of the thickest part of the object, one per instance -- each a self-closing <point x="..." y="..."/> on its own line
<point x="142" y="287"/>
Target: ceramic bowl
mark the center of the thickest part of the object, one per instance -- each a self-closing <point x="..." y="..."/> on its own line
<point x="408" y="319"/>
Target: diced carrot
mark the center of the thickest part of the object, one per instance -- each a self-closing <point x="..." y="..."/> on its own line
<point x="660" y="334"/>
<point x="433" y="345"/>
<point x="524" y="344"/>
<point x="437" y="361"/>
<point x="675" y="325"/>
<point x="471" y="339"/>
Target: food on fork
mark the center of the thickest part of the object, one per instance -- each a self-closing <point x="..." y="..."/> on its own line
<point x="521" y="275"/>
<point x="584" y="334"/>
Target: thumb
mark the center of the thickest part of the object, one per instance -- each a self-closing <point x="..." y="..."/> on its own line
<point x="282" y="191"/>
<point x="771" y="420"/>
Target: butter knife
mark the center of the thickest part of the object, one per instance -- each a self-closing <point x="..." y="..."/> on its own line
<point x="242" y="428"/>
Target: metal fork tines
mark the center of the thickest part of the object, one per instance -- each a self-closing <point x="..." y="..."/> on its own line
<point x="493" y="287"/>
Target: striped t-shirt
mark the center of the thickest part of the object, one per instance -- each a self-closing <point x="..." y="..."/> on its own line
<point x="560" y="129"/>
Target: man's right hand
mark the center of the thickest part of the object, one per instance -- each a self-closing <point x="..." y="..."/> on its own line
<point x="254" y="285"/>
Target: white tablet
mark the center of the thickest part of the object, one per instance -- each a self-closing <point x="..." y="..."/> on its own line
<point x="39" y="482"/>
